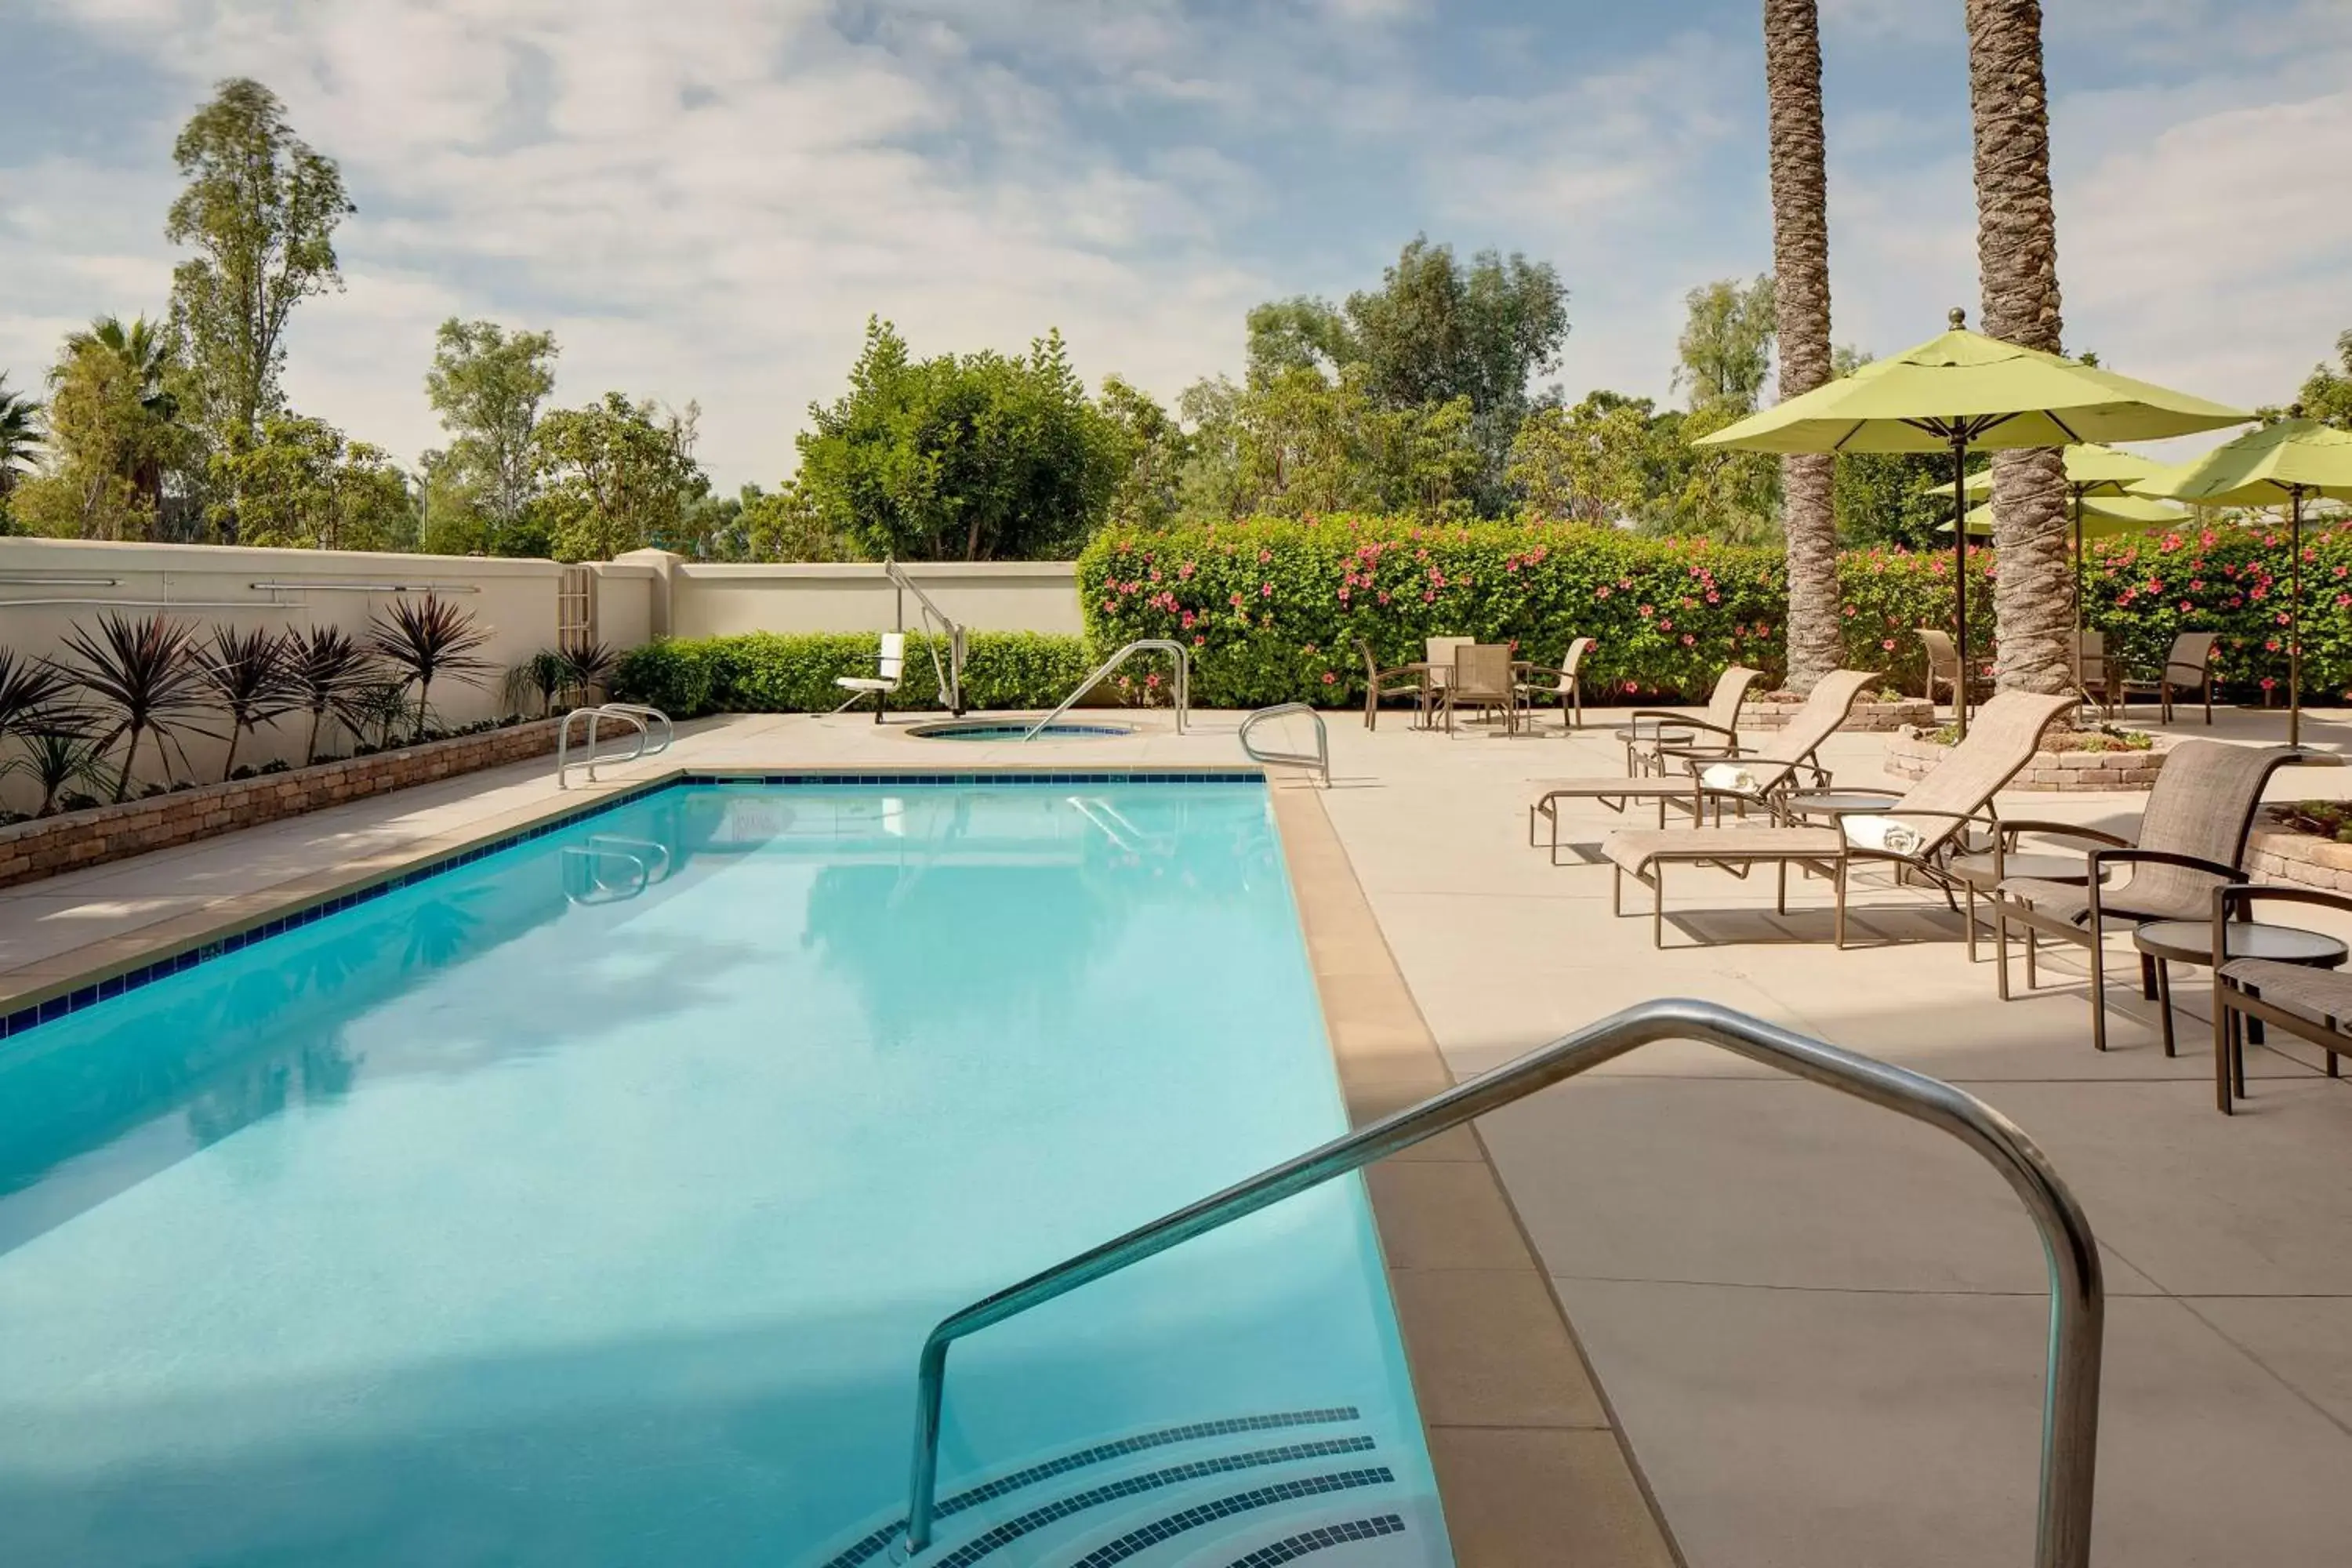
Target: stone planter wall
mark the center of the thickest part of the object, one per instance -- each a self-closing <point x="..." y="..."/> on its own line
<point x="2282" y="854"/>
<point x="1865" y="717"/>
<point x="46" y="845"/>
<point x="1910" y="757"/>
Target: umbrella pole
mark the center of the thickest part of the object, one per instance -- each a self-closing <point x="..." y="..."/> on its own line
<point x="2295" y="619"/>
<point x="2076" y="588"/>
<point x="1960" y="578"/>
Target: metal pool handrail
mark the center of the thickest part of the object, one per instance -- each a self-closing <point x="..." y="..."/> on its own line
<point x="636" y="715"/>
<point x="1320" y="760"/>
<point x="1158" y="645"/>
<point x="2069" y="1411"/>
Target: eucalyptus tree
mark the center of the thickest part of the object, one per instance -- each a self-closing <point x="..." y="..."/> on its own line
<point x="1800" y="300"/>
<point x="2017" y="263"/>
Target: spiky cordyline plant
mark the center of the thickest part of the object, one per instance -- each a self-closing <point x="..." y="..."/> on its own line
<point x="329" y="674"/>
<point x="427" y="638"/>
<point x="32" y="695"/>
<point x="586" y="669"/>
<point x="544" y="674"/>
<point x="246" y="672"/>
<point x="141" y="674"/>
<point x="56" y="759"/>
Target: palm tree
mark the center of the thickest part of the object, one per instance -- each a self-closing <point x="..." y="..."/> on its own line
<point x="246" y="672"/>
<point x="144" y="675"/>
<point x="425" y="638"/>
<point x="145" y="353"/>
<point x="20" y="435"/>
<point x="1800" y="272"/>
<point x="329" y="674"/>
<point x="2017" y="263"/>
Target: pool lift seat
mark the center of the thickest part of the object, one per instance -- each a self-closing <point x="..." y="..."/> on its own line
<point x="889" y="666"/>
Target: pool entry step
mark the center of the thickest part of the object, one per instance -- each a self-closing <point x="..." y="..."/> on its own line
<point x="1248" y="1491"/>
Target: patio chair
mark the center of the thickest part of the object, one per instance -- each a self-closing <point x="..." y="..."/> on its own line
<point x="1944" y="664"/>
<point x="1482" y="678"/>
<point x="889" y="664"/>
<point x="1653" y="729"/>
<point x="1404" y="680"/>
<point x="2188" y="667"/>
<point x="1915" y="834"/>
<point x="2098" y="679"/>
<point x="1733" y="772"/>
<point x="2313" y="1005"/>
<point x="2192" y="836"/>
<point x="1565" y="684"/>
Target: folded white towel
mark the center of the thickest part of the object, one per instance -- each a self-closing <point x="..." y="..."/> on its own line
<point x="1882" y="833"/>
<point x="1730" y="776"/>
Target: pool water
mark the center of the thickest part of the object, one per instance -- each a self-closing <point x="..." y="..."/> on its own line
<point x="587" y="1205"/>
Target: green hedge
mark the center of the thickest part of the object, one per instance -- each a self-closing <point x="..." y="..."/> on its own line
<point x="766" y="672"/>
<point x="1271" y="609"/>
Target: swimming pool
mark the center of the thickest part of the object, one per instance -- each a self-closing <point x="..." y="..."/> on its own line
<point x="586" y="1204"/>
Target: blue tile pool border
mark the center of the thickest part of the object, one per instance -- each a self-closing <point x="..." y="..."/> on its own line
<point x="81" y="993"/>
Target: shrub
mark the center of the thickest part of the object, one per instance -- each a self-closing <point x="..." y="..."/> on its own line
<point x="767" y="672"/>
<point x="1271" y="608"/>
<point x="2141" y="589"/>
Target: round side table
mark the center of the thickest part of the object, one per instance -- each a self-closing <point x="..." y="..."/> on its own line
<point x="2191" y="942"/>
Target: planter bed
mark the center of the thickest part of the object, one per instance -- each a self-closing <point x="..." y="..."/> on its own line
<point x="2280" y="854"/>
<point x="1866" y="717"/>
<point x="1909" y="756"/>
<point x="49" y="845"/>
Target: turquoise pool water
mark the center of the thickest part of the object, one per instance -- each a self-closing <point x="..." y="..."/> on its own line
<point x="587" y="1205"/>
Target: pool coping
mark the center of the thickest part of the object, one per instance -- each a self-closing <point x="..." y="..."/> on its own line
<point x="1532" y="1465"/>
<point x="66" y="982"/>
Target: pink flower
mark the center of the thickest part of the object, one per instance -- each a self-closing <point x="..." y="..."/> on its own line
<point x="1602" y="592"/>
<point x="2268" y="683"/>
<point x="1265" y="590"/>
<point x="1234" y="600"/>
<point x="1200" y="642"/>
<point x="1111" y="604"/>
<point x="1152" y="682"/>
<point x="1886" y="644"/>
<point x="1633" y="686"/>
<point x="1385" y="598"/>
<point x="1665" y="625"/>
<point x="1185" y="571"/>
<point x="1329" y="679"/>
<point x="1713" y="597"/>
<point x="1688" y="640"/>
<point x="2272" y="646"/>
<point x="1427" y="597"/>
<point x="1343" y="595"/>
<point x="1648" y="610"/>
<point x="1264" y="556"/>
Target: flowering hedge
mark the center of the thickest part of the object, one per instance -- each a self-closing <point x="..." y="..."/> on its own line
<point x="1272" y="609"/>
<point x="2140" y="589"/>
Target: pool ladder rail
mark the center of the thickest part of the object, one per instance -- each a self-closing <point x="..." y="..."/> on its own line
<point x="640" y="721"/>
<point x="2069" y="1411"/>
<point x="646" y="862"/>
<point x="1183" y="683"/>
<point x="1319" y="759"/>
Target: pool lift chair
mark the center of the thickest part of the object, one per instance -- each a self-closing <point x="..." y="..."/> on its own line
<point x="888" y="666"/>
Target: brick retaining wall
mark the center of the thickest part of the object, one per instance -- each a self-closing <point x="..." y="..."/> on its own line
<point x="46" y="845"/>
<point x="2282" y="854"/>
<point x="1866" y="717"/>
<point x="1910" y="757"/>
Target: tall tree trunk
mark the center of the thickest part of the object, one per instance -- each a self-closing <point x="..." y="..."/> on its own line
<point x="1801" y="274"/>
<point x="2017" y="262"/>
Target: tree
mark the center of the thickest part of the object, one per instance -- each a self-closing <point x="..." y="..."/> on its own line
<point x="259" y="208"/>
<point x="1798" y="150"/>
<point x="1726" y="350"/>
<point x="111" y="437"/>
<point x="2327" y="394"/>
<point x="20" y="437"/>
<point x="487" y="384"/>
<point x="305" y="487"/>
<point x="2017" y="262"/>
<point x="621" y="475"/>
<point x="1598" y="462"/>
<point x="981" y="456"/>
<point x="1434" y="331"/>
<point x="149" y="364"/>
<point x="784" y="524"/>
<point x="1153" y="451"/>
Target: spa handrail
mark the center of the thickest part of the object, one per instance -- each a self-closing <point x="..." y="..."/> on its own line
<point x="1319" y="759"/>
<point x="2069" y="1411"/>
<point x="1183" y="693"/>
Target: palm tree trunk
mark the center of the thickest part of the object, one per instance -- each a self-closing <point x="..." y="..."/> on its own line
<point x="2017" y="261"/>
<point x="1800" y="273"/>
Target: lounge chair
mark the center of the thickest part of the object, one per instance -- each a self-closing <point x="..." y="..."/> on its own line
<point x="2192" y="836"/>
<point x="1653" y="729"/>
<point x="1731" y="772"/>
<point x="1924" y="825"/>
<point x="890" y="666"/>
<point x="1564" y="683"/>
<point x="1482" y="678"/>
<point x="2188" y="667"/>
<point x="2313" y="1005"/>
<point x="1404" y="680"/>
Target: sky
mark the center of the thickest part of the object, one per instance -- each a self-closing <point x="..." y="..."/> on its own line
<point x="705" y="199"/>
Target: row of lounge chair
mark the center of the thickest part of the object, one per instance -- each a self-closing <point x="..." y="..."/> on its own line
<point x="2186" y="862"/>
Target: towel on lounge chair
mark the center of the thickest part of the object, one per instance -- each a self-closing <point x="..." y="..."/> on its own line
<point x="1731" y="778"/>
<point x="1884" y="834"/>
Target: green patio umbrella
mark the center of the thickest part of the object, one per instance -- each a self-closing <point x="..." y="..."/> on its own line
<point x="2092" y="469"/>
<point x="2285" y="462"/>
<point x="1963" y="390"/>
<point x="2094" y="519"/>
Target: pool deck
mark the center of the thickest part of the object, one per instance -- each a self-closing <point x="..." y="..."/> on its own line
<point x="1816" y="1328"/>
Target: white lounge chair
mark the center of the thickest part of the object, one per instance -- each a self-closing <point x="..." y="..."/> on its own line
<point x="888" y="668"/>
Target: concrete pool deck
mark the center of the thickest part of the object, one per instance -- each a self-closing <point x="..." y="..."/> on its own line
<point x="1818" y="1327"/>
